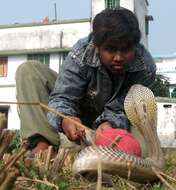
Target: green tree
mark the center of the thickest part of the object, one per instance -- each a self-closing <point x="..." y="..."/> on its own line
<point x="173" y="94"/>
<point x="161" y="86"/>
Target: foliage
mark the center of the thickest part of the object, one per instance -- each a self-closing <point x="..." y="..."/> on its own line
<point x="161" y="86"/>
<point x="43" y="187"/>
<point x="63" y="185"/>
<point x="158" y="186"/>
<point x="15" y="143"/>
<point x="173" y="94"/>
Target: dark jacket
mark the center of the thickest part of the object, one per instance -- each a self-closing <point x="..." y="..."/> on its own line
<point x="85" y="89"/>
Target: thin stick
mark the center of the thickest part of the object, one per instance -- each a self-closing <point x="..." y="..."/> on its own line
<point x="63" y="116"/>
<point x="129" y="163"/>
<point x="10" y="179"/>
<point x="22" y="103"/>
<point x="5" y="139"/>
<point x="38" y="181"/>
<point x="129" y="184"/>
<point x="162" y="179"/>
<point x="49" y="109"/>
<point x="53" y="111"/>
<point x="48" y="157"/>
<point x="115" y="141"/>
<point x="12" y="160"/>
<point x="58" y="163"/>
<point x="99" y="171"/>
<point x="169" y="177"/>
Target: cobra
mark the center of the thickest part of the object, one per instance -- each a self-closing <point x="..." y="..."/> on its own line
<point x="141" y="109"/>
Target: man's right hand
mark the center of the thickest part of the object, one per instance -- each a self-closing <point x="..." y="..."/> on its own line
<point x="73" y="131"/>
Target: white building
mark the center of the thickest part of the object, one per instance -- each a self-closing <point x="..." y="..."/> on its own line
<point x="49" y="42"/>
<point x="166" y="66"/>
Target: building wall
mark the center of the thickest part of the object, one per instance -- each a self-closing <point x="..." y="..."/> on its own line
<point x="166" y="126"/>
<point x="42" y="37"/>
<point x="166" y="66"/>
<point x="8" y="86"/>
<point x="13" y="63"/>
<point x="96" y="7"/>
<point x="8" y="90"/>
<point x="140" y="9"/>
<point x="55" y="62"/>
<point x="8" y="94"/>
<point x="129" y="4"/>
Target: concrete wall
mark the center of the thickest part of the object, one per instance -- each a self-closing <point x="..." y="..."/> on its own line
<point x="129" y="4"/>
<point x="13" y="63"/>
<point x="140" y="9"/>
<point x="54" y="61"/>
<point x="166" y="126"/>
<point x="8" y="87"/>
<point x="42" y="37"/>
<point x="97" y="6"/>
<point x="8" y="94"/>
<point x="8" y="90"/>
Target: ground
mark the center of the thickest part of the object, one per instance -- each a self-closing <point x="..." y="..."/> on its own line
<point x="45" y="173"/>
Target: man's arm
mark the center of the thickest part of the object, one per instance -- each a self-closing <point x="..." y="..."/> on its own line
<point x="69" y="88"/>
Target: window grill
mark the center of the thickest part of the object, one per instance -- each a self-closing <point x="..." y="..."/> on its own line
<point x="111" y="4"/>
<point x="43" y="58"/>
<point x="3" y="66"/>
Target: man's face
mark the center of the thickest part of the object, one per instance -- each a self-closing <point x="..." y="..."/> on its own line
<point x="115" y="60"/>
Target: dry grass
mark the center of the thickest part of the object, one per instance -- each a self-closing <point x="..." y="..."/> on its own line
<point x="43" y="173"/>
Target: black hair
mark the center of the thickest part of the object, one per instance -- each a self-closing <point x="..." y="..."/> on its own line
<point x="116" y="28"/>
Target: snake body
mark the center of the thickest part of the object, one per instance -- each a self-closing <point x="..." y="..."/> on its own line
<point x="141" y="109"/>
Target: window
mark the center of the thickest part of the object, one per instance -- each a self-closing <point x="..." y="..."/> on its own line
<point x="112" y="4"/>
<point x="64" y="54"/>
<point x="147" y="19"/>
<point x="3" y="66"/>
<point x="43" y="58"/>
<point x="4" y="116"/>
<point x="62" y="57"/>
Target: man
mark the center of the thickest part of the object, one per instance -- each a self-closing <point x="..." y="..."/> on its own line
<point x="93" y="82"/>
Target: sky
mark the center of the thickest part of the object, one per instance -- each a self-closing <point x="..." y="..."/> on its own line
<point x="162" y="29"/>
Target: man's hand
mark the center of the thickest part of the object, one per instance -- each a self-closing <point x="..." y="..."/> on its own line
<point x="71" y="130"/>
<point x="102" y="127"/>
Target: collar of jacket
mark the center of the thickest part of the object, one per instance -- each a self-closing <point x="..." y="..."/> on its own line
<point x="86" y="55"/>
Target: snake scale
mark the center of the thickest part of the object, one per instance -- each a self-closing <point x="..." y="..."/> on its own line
<point x="141" y="109"/>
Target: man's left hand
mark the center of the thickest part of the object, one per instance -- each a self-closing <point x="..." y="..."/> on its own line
<point x="102" y="127"/>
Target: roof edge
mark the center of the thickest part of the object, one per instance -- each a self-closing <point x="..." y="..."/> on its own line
<point x="68" y="21"/>
<point x="34" y="51"/>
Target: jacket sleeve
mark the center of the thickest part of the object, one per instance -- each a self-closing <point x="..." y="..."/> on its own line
<point x="114" y="109"/>
<point x="113" y="113"/>
<point x="69" y="89"/>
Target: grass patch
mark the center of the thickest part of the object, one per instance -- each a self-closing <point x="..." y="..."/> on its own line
<point x="35" y="177"/>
